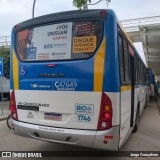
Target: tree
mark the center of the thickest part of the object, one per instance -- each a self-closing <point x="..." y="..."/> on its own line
<point x="5" y="54"/>
<point x="83" y="4"/>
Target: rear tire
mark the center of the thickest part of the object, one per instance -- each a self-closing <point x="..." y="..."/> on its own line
<point x="145" y="103"/>
<point x="135" y="129"/>
<point x="9" y="122"/>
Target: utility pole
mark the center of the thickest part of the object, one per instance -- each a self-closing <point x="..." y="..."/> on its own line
<point x="34" y="2"/>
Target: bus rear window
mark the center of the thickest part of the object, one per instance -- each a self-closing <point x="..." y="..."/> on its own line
<point x="63" y="41"/>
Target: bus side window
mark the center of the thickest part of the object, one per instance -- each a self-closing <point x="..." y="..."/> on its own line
<point x="138" y="72"/>
<point x="141" y="73"/>
<point x="135" y="68"/>
<point x="121" y="58"/>
<point x="126" y="61"/>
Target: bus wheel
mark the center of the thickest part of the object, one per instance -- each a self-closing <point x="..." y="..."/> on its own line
<point x="137" y="122"/>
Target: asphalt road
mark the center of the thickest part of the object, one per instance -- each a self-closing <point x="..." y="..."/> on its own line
<point x="146" y="139"/>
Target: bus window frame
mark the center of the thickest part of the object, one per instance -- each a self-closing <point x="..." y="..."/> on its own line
<point x="57" y="22"/>
<point x="121" y="34"/>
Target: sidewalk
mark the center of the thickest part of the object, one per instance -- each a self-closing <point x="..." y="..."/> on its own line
<point x="6" y="110"/>
<point x="158" y="103"/>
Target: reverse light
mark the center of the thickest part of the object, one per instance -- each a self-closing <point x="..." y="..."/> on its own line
<point x="13" y="108"/>
<point x="103" y="124"/>
<point x="105" y="115"/>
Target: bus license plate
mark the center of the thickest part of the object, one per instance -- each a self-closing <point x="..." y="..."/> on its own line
<point x="53" y="116"/>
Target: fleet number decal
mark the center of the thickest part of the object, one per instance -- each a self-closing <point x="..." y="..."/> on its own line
<point x="84" y="44"/>
<point x="84" y="118"/>
<point x="65" y="86"/>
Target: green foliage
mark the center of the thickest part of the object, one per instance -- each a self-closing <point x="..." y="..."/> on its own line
<point x="82" y="4"/>
<point x="5" y="54"/>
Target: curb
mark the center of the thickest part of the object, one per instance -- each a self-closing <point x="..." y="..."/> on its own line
<point x="3" y="119"/>
<point x="158" y="103"/>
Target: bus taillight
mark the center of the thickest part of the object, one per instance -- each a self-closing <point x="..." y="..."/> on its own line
<point x="105" y="115"/>
<point x="13" y="109"/>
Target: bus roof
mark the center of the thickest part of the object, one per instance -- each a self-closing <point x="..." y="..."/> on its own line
<point x="75" y="14"/>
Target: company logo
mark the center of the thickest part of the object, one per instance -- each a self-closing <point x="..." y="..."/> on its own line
<point x="21" y="154"/>
<point x="84" y="108"/>
<point x="40" y="86"/>
<point x="6" y="154"/>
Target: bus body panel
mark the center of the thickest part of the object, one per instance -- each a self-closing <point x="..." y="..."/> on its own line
<point x="70" y="104"/>
<point x="125" y="113"/>
<point x="87" y="138"/>
<point x="139" y="101"/>
<point x="60" y="102"/>
<point x="42" y="90"/>
<point x="90" y="78"/>
<point x="111" y="81"/>
<point x="48" y="103"/>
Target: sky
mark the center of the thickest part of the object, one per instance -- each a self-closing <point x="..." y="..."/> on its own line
<point x="15" y="11"/>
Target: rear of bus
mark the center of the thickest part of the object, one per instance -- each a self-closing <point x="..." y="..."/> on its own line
<point x="58" y="69"/>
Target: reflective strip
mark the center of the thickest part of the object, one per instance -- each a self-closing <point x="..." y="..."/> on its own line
<point x="125" y="88"/>
<point x="15" y="71"/>
<point x="99" y="67"/>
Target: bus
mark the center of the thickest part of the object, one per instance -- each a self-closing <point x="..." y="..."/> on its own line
<point x="76" y="79"/>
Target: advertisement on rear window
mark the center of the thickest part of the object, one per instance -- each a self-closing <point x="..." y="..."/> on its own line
<point x="70" y="40"/>
<point x="46" y="43"/>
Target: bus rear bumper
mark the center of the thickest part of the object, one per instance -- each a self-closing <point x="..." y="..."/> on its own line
<point x="85" y="138"/>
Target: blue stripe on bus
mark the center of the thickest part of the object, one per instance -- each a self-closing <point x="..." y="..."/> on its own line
<point x="11" y="73"/>
<point x="111" y="76"/>
<point x="80" y="72"/>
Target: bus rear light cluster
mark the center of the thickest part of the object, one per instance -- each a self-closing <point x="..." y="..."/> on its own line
<point x="105" y="115"/>
<point x="13" y="108"/>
